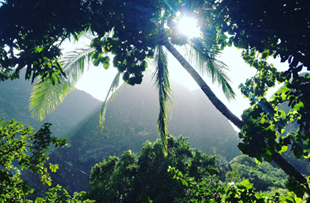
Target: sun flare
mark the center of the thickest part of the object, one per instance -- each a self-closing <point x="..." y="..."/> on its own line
<point x="188" y="26"/>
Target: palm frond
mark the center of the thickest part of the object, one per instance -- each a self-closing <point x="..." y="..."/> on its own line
<point x="74" y="63"/>
<point x="207" y="63"/>
<point x="87" y="33"/>
<point x="161" y="77"/>
<point x="112" y="92"/>
<point x="217" y="69"/>
<point x="45" y="95"/>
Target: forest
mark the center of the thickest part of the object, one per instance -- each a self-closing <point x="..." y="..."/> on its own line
<point x="152" y="139"/>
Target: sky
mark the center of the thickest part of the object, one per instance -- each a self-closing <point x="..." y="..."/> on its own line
<point x="97" y="81"/>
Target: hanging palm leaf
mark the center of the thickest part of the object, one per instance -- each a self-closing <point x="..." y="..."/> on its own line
<point x="207" y="63"/>
<point x="46" y="94"/>
<point x="111" y="94"/>
<point x="161" y="77"/>
<point x="74" y="63"/>
<point x="45" y="97"/>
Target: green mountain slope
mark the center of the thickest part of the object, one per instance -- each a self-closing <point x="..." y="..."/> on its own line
<point x="69" y="115"/>
<point x="131" y="120"/>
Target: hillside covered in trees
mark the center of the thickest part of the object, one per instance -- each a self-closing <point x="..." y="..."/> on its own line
<point x="130" y="121"/>
<point x="135" y="36"/>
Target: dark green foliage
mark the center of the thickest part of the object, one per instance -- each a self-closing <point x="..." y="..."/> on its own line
<point x="265" y="123"/>
<point x="129" y="30"/>
<point x="29" y="151"/>
<point x="130" y="38"/>
<point x="267" y="128"/>
<point x="36" y="29"/>
<point x="133" y="178"/>
<point x="59" y="194"/>
<point x="130" y="41"/>
<point x="278" y="28"/>
<point x="264" y="177"/>
<point x="212" y="190"/>
<point x="302" y="164"/>
<point x="19" y="150"/>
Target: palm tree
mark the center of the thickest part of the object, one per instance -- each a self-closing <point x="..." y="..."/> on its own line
<point x="48" y="94"/>
<point x="146" y="33"/>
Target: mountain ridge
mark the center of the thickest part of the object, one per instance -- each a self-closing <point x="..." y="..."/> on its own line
<point x="131" y="119"/>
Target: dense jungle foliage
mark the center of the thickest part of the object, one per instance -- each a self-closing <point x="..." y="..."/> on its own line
<point x="136" y="32"/>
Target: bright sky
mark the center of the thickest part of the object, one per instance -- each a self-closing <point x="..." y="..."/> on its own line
<point x="97" y="81"/>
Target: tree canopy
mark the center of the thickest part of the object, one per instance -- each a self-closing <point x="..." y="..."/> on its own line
<point x="132" y="45"/>
<point x="32" y="31"/>
<point x="21" y="149"/>
<point x="135" y="31"/>
<point x="278" y="28"/>
<point x="264" y="177"/>
<point x="135" y="178"/>
<point x="131" y="42"/>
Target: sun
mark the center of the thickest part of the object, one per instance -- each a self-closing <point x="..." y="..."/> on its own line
<point x="188" y="26"/>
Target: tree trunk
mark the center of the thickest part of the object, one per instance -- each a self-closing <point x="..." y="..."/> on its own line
<point x="276" y="157"/>
<point x="203" y="85"/>
<point x="290" y="170"/>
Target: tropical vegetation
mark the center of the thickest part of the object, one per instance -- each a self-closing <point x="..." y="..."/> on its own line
<point x="132" y="48"/>
<point x="264" y="177"/>
<point x="31" y="33"/>
<point x="136" y="178"/>
<point x="21" y="149"/>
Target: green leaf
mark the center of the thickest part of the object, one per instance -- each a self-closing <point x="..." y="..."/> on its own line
<point x="144" y="64"/>
<point x="283" y="149"/>
<point x="105" y="61"/>
<point x="184" y="182"/>
<point x="258" y="162"/>
<point x="258" y="196"/>
<point x="246" y="183"/>
<point x="96" y="62"/>
<point x="223" y="37"/>
<point x="38" y="49"/>
<point x="54" y="167"/>
<point x="282" y="114"/>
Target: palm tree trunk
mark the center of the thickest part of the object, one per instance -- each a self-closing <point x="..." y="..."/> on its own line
<point x="203" y="85"/>
<point x="276" y="157"/>
<point x="290" y="170"/>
